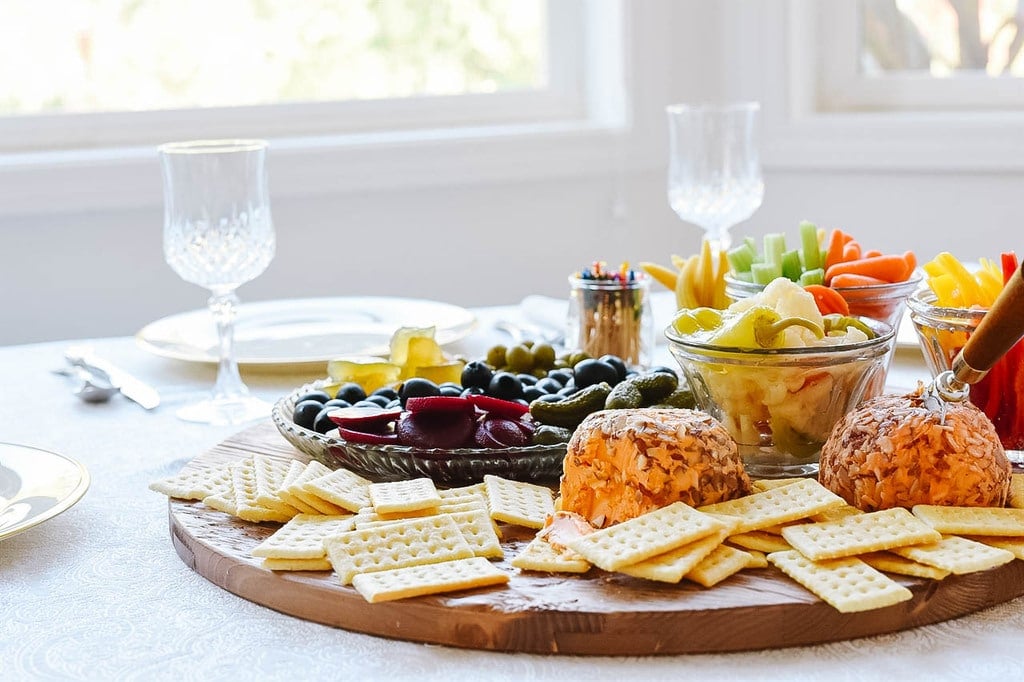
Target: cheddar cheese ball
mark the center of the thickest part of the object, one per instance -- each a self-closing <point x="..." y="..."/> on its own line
<point x="623" y="463"/>
<point x="893" y="451"/>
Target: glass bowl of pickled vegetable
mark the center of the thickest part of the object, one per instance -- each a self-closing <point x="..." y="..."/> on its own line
<point x="885" y="302"/>
<point x="941" y="333"/>
<point x="779" y="391"/>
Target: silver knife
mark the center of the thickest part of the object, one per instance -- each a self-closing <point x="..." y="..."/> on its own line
<point x="129" y="386"/>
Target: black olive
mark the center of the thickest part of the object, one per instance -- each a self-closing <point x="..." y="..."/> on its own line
<point x="661" y="368"/>
<point x="477" y="374"/>
<point x="551" y="398"/>
<point x="453" y="390"/>
<point x="472" y="390"/>
<point x="532" y="392"/>
<point x="381" y="400"/>
<point x="322" y="424"/>
<point x="561" y="375"/>
<point x="527" y="379"/>
<point x="306" y="412"/>
<point x="506" y="386"/>
<point x="548" y="385"/>
<point x="590" y="372"/>
<point x="351" y="393"/>
<point x="387" y="392"/>
<point x="319" y="396"/>
<point x="616" y="362"/>
<point x="417" y="388"/>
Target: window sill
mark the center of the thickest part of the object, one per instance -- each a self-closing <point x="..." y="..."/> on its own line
<point x="125" y="178"/>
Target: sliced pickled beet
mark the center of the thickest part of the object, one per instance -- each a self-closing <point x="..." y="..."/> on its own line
<point x="435" y="429"/>
<point x="369" y="438"/>
<point x="498" y="407"/>
<point x="360" y="417"/>
<point x="439" y="403"/>
<point x="502" y="433"/>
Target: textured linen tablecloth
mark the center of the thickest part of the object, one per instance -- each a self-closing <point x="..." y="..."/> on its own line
<point x="98" y="593"/>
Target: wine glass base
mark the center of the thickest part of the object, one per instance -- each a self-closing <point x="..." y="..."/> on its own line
<point x="225" y="411"/>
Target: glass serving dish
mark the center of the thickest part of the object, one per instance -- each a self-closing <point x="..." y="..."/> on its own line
<point x="780" y="404"/>
<point x="885" y="302"/>
<point x="452" y="467"/>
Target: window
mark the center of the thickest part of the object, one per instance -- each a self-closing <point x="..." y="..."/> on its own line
<point x="928" y="55"/>
<point x="96" y="73"/>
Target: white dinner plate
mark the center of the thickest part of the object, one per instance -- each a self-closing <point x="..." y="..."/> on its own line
<point x="36" y="485"/>
<point x="307" y="330"/>
<point x="906" y="335"/>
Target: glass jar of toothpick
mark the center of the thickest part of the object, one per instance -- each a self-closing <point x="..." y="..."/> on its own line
<point x="610" y="313"/>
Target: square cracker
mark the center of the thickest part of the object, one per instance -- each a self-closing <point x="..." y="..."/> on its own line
<point x="414" y="494"/>
<point x="413" y="581"/>
<point x="224" y="500"/>
<point x="645" y="536"/>
<point x="303" y="537"/>
<point x="269" y="475"/>
<point x="1014" y="545"/>
<point x="340" y="487"/>
<point x="478" y="529"/>
<point x="671" y="566"/>
<point x="243" y="481"/>
<point x="321" y="564"/>
<point x="759" y="540"/>
<point x="859" y="533"/>
<point x="848" y="584"/>
<point x="541" y="555"/>
<point x="721" y="563"/>
<point x="786" y="503"/>
<point x="887" y="562"/>
<point x="1016" y="498"/>
<point x="427" y="540"/>
<point x="297" y="489"/>
<point x="518" y="503"/>
<point x="194" y="484"/>
<point x="972" y="520"/>
<point x="957" y="555"/>
<point x="295" y="470"/>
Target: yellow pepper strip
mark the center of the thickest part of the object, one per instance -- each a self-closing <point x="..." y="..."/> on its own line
<point x="946" y="294"/>
<point x="990" y="285"/>
<point x="706" y="274"/>
<point x="664" y="276"/>
<point x="964" y="279"/>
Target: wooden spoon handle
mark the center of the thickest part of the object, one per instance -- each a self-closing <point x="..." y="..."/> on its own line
<point x="1000" y="329"/>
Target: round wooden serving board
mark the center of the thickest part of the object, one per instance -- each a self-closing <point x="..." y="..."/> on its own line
<point x="596" y="613"/>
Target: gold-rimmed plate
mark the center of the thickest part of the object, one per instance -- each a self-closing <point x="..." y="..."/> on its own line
<point x="35" y="486"/>
<point x="304" y="331"/>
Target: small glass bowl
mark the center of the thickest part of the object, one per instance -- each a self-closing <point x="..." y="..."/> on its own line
<point x="941" y="333"/>
<point x="885" y="302"/>
<point x="780" y="404"/>
<point x="458" y="466"/>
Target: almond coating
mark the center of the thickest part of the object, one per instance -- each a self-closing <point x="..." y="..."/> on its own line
<point x="623" y="463"/>
<point x="893" y="451"/>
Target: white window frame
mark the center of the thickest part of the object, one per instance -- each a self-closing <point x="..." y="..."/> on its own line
<point x="773" y="51"/>
<point x="842" y="86"/>
<point x="584" y="124"/>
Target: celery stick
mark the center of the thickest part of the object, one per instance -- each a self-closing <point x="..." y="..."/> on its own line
<point x="791" y="267"/>
<point x="774" y="246"/>
<point x="740" y="258"/>
<point x="809" y="241"/>
<point x="751" y="242"/>
<point x="743" y="276"/>
<point x="765" y="272"/>
<point x="815" y="276"/>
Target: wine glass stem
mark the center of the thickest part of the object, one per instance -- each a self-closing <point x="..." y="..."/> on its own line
<point x="229" y="382"/>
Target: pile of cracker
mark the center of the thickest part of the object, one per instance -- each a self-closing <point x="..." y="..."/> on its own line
<point x="408" y="538"/>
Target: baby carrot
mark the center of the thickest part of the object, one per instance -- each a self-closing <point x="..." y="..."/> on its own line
<point x="911" y="260"/>
<point x="871" y="253"/>
<point x="851" y="251"/>
<point x="852" y="280"/>
<point x="836" y="243"/>
<point x="828" y="300"/>
<point x="886" y="268"/>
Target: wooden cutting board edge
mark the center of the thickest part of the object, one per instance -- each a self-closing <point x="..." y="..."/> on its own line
<point x="535" y="613"/>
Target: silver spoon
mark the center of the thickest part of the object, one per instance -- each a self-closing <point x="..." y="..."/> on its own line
<point x="92" y="389"/>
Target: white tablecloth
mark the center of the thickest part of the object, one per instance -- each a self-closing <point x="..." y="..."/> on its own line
<point x="98" y="593"/>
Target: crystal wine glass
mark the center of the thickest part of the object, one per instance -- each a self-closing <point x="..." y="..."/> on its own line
<point x="714" y="177"/>
<point x="218" y="234"/>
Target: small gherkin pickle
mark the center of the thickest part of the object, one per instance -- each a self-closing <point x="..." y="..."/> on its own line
<point x="570" y="412"/>
<point x="760" y="327"/>
<point x="551" y="435"/>
<point x="625" y="395"/>
<point x="654" y="386"/>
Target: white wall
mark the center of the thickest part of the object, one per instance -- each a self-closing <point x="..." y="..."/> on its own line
<point x="101" y="273"/>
